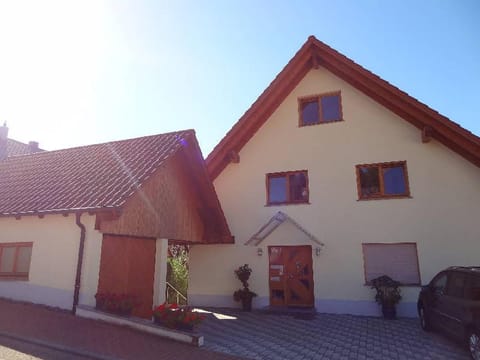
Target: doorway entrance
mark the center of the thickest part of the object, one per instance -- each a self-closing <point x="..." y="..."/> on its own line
<point x="291" y="276"/>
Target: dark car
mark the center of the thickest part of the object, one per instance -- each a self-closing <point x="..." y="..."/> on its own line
<point x="451" y="304"/>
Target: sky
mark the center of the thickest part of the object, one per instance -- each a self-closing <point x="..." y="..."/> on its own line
<point x="83" y="72"/>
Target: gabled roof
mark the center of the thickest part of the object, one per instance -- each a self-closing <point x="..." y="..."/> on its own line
<point x="315" y="53"/>
<point x="15" y="147"/>
<point x="87" y="178"/>
<point x="278" y="219"/>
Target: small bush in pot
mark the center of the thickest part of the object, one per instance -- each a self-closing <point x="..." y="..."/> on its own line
<point x="387" y="295"/>
<point x="175" y="317"/>
<point x="244" y="295"/>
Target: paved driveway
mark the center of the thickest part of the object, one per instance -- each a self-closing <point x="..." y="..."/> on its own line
<point x="267" y="336"/>
<point x="228" y="334"/>
<point x="38" y="328"/>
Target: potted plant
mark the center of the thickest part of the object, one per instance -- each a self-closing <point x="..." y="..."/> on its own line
<point x="175" y="317"/>
<point x="244" y="295"/>
<point x="119" y="304"/>
<point x="388" y="295"/>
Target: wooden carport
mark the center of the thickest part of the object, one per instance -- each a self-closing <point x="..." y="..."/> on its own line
<point x="176" y="203"/>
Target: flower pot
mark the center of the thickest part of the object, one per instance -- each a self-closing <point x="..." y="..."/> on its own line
<point x="389" y="311"/>
<point x="247" y="304"/>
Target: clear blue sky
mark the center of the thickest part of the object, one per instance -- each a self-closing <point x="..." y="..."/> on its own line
<point x="74" y="73"/>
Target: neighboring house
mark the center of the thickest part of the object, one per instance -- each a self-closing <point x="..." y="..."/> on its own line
<point x="10" y="147"/>
<point x="334" y="177"/>
<point x="99" y="218"/>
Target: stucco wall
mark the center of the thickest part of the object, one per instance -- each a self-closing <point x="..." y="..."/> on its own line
<point x="441" y="216"/>
<point x="54" y="259"/>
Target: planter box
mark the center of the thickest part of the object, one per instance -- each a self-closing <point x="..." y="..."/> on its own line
<point x="178" y="326"/>
<point x="142" y="325"/>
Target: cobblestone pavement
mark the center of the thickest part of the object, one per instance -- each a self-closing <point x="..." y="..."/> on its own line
<point x="231" y="335"/>
<point x="259" y="335"/>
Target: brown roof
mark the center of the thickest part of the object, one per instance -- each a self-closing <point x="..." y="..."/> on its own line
<point x="83" y="178"/>
<point x="15" y="147"/>
<point x="315" y="53"/>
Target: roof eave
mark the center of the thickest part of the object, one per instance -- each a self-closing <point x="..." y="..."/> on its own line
<point x="42" y="213"/>
<point x="314" y="53"/>
<point x="262" y="108"/>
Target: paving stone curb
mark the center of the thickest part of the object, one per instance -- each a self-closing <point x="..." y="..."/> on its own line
<point x="53" y="346"/>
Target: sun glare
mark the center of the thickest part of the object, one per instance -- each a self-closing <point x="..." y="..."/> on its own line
<point x="218" y="316"/>
<point x="52" y="53"/>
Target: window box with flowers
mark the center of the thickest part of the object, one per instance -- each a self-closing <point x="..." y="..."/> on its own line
<point x="175" y="317"/>
<point x="118" y="304"/>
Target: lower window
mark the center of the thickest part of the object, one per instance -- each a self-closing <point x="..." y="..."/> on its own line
<point x="15" y="260"/>
<point x="397" y="260"/>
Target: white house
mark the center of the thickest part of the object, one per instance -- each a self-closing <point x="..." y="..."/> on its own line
<point x="331" y="178"/>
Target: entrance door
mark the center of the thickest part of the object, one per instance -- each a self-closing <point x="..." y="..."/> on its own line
<point x="290" y="276"/>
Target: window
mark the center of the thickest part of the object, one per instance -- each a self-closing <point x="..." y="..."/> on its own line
<point x="15" y="260"/>
<point x="287" y="187"/>
<point x="456" y="285"/>
<point x="439" y="284"/>
<point x="320" y="109"/>
<point x="383" y="181"/>
<point x="397" y="260"/>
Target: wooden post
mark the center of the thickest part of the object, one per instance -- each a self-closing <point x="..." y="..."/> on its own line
<point x="160" y="278"/>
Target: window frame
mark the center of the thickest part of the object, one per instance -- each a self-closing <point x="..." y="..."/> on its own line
<point x="417" y="263"/>
<point x="381" y="195"/>
<point x="436" y="290"/>
<point x="286" y="174"/>
<point x="15" y="275"/>
<point x="318" y="97"/>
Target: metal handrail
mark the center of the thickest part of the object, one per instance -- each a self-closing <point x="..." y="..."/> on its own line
<point x="177" y="293"/>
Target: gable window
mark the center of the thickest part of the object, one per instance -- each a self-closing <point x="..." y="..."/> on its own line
<point x="15" y="260"/>
<point x="383" y="180"/>
<point x="287" y="187"/>
<point x="320" y="109"/>
<point x="397" y="260"/>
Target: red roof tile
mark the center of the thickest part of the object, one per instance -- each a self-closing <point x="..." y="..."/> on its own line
<point x="15" y="147"/>
<point x="88" y="177"/>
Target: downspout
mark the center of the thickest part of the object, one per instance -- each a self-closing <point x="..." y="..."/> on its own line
<point x="78" y="276"/>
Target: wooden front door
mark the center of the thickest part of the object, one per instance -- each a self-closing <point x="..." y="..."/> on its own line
<point x="290" y="276"/>
<point x="127" y="265"/>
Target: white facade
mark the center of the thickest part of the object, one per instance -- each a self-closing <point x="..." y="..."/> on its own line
<point x="56" y="240"/>
<point x="441" y="215"/>
<point x="53" y="264"/>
